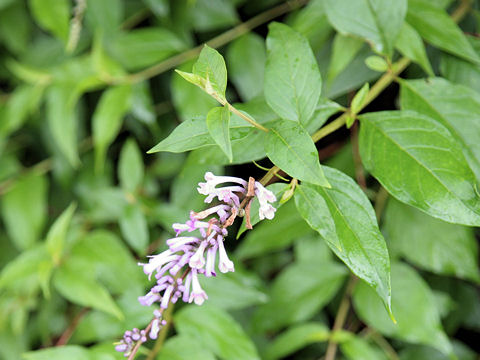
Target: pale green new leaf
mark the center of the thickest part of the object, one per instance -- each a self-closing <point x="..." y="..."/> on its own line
<point x="360" y="244"/>
<point x="211" y="67"/>
<point x="431" y="244"/>
<point x="454" y="106"/>
<point x="289" y="146"/>
<point x="413" y="305"/>
<point x="217" y="331"/>
<point x="56" y="236"/>
<point x="439" y="29"/>
<point x="292" y="83"/>
<point x="410" y="44"/>
<point x="357" y="348"/>
<point x="419" y="162"/>
<point x="24" y="210"/>
<point x="107" y="119"/>
<point x="378" y="21"/>
<point x="218" y="124"/>
<point x="358" y="100"/>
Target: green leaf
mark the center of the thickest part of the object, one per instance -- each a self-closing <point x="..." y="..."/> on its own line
<point x="75" y="282"/>
<point x="55" y="240"/>
<point x="189" y="101"/>
<point x="144" y="47"/>
<point x="414" y="308"/>
<point x="53" y="16"/>
<point x="218" y="123"/>
<point x="454" y="106"/>
<point x="181" y="347"/>
<point x="211" y="67"/>
<point x="439" y="29"/>
<point x="130" y="166"/>
<point x="24" y="210"/>
<point x="360" y="244"/>
<point x="276" y="234"/>
<point x="62" y="120"/>
<point x="418" y="161"/>
<point x="376" y="63"/>
<point x="377" y="21"/>
<point x="325" y="108"/>
<point x="107" y="119"/>
<point x="216" y="330"/>
<point x="460" y="71"/>
<point x="289" y="146"/>
<point x="106" y="15"/>
<point x="359" y="100"/>
<point x="71" y="352"/>
<point x="314" y="209"/>
<point x="246" y="59"/>
<point x="345" y="48"/>
<point x="431" y="244"/>
<point x="211" y="15"/>
<point x="232" y="291"/>
<point x="296" y="338"/>
<point x="292" y="80"/>
<point x="134" y="227"/>
<point x="422" y="352"/>
<point x="357" y="348"/>
<point x="298" y="293"/>
<point x="410" y="44"/>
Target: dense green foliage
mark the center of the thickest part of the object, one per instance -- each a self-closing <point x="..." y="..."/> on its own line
<point x="361" y="116"/>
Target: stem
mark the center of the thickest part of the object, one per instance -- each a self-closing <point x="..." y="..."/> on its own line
<point x="163" y="333"/>
<point x="219" y="40"/>
<point x="245" y="117"/>
<point x="341" y="317"/>
<point x="67" y="334"/>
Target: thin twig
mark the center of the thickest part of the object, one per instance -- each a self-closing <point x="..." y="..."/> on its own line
<point x="163" y="333"/>
<point x="67" y="334"/>
<point x="341" y="317"/>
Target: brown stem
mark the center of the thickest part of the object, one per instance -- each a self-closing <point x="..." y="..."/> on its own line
<point x="341" y="317"/>
<point x="163" y="333"/>
<point x="67" y="334"/>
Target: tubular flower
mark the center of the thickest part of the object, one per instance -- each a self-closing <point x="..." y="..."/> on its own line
<point x="195" y="253"/>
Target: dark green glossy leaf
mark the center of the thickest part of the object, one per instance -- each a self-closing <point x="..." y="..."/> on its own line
<point x="352" y="231"/>
<point x="292" y="80"/>
<point x="454" y="106"/>
<point x="419" y="162"/>
<point x="216" y="330"/>
<point x="289" y="146"/>
<point x="413" y="305"/>
<point x="379" y="22"/>
<point x="431" y="244"/>
<point x="218" y="125"/>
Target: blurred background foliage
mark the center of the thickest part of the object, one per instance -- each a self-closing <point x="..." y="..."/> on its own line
<point x="87" y="89"/>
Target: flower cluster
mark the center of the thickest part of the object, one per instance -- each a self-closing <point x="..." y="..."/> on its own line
<point x="194" y="250"/>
